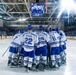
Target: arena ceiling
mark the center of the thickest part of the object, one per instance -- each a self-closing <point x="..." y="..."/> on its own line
<point x="14" y="10"/>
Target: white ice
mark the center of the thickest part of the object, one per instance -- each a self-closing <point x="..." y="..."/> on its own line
<point x="68" y="69"/>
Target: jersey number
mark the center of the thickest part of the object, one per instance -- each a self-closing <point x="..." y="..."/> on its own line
<point x="28" y="40"/>
<point x="53" y="37"/>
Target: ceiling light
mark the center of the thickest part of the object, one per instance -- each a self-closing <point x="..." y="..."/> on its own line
<point x="67" y="5"/>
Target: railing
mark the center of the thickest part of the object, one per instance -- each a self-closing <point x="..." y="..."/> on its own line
<point x="71" y="37"/>
<point x="5" y="37"/>
<point x="10" y="37"/>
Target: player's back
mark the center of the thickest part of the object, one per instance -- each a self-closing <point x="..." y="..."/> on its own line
<point x="62" y="35"/>
<point x="54" y="38"/>
<point x="43" y="38"/>
<point x="29" y="40"/>
<point x="16" y="40"/>
<point x="16" y="35"/>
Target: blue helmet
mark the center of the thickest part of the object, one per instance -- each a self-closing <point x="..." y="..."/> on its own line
<point x="53" y="29"/>
<point x="41" y="27"/>
<point x="57" y="30"/>
<point x="29" y="27"/>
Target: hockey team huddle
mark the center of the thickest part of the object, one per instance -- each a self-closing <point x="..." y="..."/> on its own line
<point x="38" y="50"/>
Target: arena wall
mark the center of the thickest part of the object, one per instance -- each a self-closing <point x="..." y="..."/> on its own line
<point x="10" y="37"/>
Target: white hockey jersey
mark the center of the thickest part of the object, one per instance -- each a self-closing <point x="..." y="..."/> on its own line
<point x="43" y="39"/>
<point x="54" y="39"/>
<point x="62" y="37"/>
<point x="16" y="41"/>
<point x="29" y="40"/>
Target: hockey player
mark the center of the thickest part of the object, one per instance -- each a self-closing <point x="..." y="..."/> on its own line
<point x="29" y="40"/>
<point x="14" y="48"/>
<point x="41" y="47"/>
<point x="55" y="50"/>
<point x="63" y="46"/>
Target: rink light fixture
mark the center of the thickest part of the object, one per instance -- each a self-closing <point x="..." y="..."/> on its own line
<point x="22" y="19"/>
<point x="68" y="6"/>
<point x="14" y="25"/>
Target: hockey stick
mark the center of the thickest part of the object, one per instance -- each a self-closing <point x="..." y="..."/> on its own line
<point x="5" y="51"/>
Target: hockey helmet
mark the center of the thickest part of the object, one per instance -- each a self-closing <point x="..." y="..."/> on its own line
<point x="29" y="27"/>
<point x="41" y="27"/>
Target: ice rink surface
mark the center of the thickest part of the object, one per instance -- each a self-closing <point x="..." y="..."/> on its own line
<point x="68" y="69"/>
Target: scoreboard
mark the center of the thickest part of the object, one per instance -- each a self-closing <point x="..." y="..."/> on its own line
<point x="37" y="9"/>
<point x="37" y="1"/>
